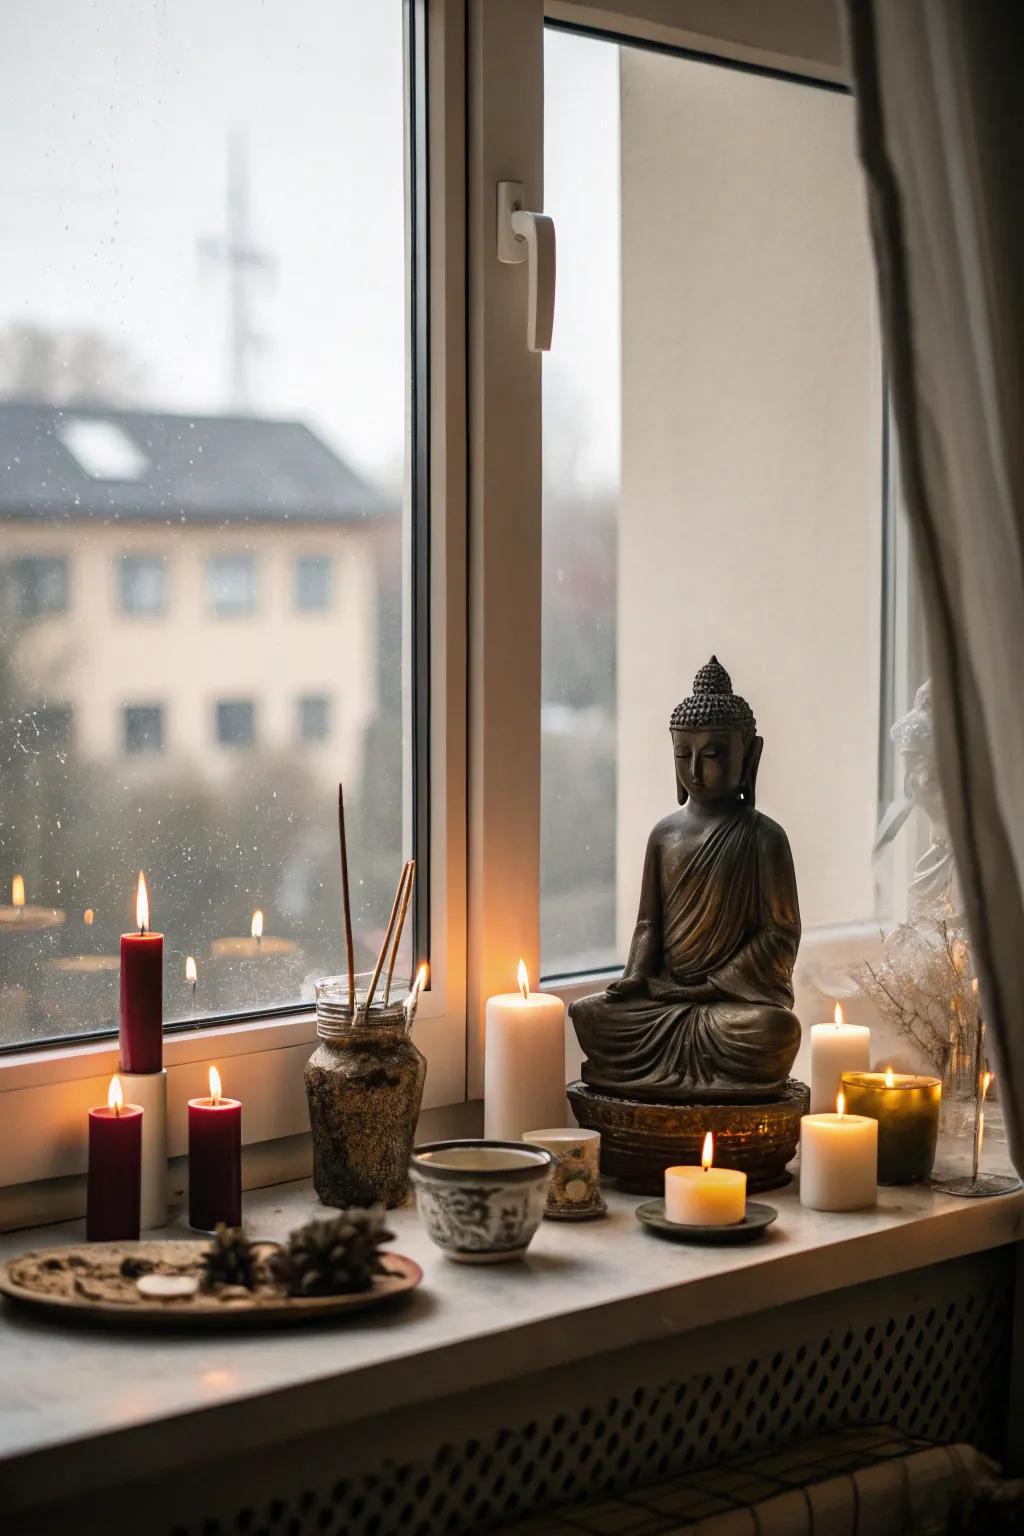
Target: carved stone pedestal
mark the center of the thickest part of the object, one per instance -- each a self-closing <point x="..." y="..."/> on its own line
<point x="639" y="1141"/>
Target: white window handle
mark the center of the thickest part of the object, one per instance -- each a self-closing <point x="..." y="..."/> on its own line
<point x="530" y="237"/>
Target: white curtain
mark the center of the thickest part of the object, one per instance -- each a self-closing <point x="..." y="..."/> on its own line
<point x="940" y="100"/>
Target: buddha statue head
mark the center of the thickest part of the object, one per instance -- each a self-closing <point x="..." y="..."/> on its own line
<point x="714" y="736"/>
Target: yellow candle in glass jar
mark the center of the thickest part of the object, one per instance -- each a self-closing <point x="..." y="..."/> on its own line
<point x="705" y="1196"/>
<point x="906" y="1106"/>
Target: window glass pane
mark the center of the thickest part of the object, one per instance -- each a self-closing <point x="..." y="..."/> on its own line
<point x="203" y="421"/>
<point x="712" y="470"/>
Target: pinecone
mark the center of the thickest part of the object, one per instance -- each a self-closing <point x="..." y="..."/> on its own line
<point x="329" y="1258"/>
<point x="230" y="1261"/>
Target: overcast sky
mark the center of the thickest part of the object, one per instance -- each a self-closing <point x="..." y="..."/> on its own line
<point x="113" y="152"/>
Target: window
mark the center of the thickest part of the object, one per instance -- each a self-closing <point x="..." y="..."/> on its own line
<point x="39" y="586"/>
<point x="314" y="717"/>
<point x="143" y="728"/>
<point x="197" y="367"/>
<point x="49" y="726"/>
<point x="142" y="585"/>
<point x="712" y="470"/>
<point x="231" y="585"/>
<point x="313" y="583"/>
<point x="236" y="722"/>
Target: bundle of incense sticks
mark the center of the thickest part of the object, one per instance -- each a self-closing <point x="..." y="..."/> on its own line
<point x="396" y="922"/>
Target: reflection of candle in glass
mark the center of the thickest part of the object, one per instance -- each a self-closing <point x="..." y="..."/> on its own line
<point x="257" y="928"/>
<point x="524" y="1063"/>
<point x="142" y="991"/>
<point x="27" y="918"/>
<point x="88" y="917"/>
<point x="192" y="976"/>
<point x="18" y="892"/>
<point x="979" y="1128"/>
<point x="705" y="1196"/>
<point x="214" y="1159"/>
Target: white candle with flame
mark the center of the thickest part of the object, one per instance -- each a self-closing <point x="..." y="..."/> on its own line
<point x="524" y="1072"/>
<point x="836" y="1048"/>
<point x="706" y="1196"/>
<point x="838" y="1160"/>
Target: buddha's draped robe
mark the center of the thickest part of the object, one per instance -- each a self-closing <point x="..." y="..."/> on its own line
<point x="715" y="1017"/>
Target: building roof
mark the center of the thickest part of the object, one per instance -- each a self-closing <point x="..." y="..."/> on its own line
<point x="81" y="464"/>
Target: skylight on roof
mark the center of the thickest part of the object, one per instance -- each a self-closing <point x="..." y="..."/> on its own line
<point x="102" y="449"/>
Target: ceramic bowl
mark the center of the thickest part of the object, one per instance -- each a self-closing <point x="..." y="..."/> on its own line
<point x="481" y="1201"/>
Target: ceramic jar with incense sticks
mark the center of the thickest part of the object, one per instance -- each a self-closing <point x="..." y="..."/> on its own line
<point x="364" y="1084"/>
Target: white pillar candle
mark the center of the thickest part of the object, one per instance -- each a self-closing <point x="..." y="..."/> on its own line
<point x="149" y="1091"/>
<point x="838" y="1161"/>
<point x="836" y="1048"/>
<point x="705" y="1196"/>
<point x="524" y="1062"/>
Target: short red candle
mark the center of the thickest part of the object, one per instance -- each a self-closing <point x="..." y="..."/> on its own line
<point x="214" y="1163"/>
<point x="115" y="1173"/>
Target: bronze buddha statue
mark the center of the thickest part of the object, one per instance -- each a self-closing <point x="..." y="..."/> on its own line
<point x="703" y="1011"/>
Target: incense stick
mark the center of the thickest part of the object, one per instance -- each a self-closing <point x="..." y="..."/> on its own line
<point x="410" y="879"/>
<point x="345" y="904"/>
<point x="371" y="989"/>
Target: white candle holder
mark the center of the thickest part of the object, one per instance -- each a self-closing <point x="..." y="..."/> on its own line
<point x="149" y="1091"/>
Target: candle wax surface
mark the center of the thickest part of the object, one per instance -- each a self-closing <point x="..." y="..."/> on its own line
<point x="214" y="1163"/>
<point x="838" y="1162"/>
<point x="907" y="1111"/>
<point x="711" y="1197"/>
<point x="113" y="1193"/>
<point x="142" y="1002"/>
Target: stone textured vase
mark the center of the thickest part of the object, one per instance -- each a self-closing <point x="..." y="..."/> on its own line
<point x="364" y="1084"/>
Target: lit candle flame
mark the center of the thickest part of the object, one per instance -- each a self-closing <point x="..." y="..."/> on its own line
<point x="257" y="924"/>
<point x="707" y="1155"/>
<point x="523" y="981"/>
<point x="18" y="891"/>
<point x="88" y="917"/>
<point x="191" y="973"/>
<point x="422" y="976"/>
<point x="986" y="1084"/>
<point x="142" y="904"/>
<point x="215" y="1088"/>
<point x="890" y="1080"/>
<point x="840" y="1104"/>
<point x="115" y="1095"/>
<point x="838" y="1013"/>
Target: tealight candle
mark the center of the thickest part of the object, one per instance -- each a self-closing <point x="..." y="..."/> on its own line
<point x="705" y="1196"/>
<point x="906" y="1106"/>
<point x="838" y="1161"/>
<point x="214" y="1159"/>
<point x="115" y="1169"/>
<point x="524" y="1065"/>
<point x="836" y="1048"/>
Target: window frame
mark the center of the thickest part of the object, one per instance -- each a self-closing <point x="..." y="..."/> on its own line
<point x="473" y="570"/>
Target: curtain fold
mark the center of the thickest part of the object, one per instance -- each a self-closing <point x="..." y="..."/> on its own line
<point x="941" y="131"/>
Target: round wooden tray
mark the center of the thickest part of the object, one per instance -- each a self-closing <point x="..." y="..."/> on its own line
<point x="83" y="1283"/>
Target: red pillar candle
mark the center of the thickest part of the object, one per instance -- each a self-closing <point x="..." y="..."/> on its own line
<point x="142" y="992"/>
<point x="214" y="1159"/>
<point x="115" y="1169"/>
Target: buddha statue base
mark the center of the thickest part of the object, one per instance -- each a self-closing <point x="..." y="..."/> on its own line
<point x="640" y="1140"/>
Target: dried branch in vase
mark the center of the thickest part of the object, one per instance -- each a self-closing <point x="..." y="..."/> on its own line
<point x="923" y="988"/>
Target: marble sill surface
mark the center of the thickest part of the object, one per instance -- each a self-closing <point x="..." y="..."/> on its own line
<point x="583" y="1289"/>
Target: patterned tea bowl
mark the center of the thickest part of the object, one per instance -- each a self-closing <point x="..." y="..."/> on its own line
<point x="481" y="1201"/>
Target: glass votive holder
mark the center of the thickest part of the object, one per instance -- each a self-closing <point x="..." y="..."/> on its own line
<point x="574" y="1193"/>
<point x="906" y="1106"/>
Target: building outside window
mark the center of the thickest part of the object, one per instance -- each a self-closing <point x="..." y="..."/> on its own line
<point x="314" y="717"/>
<point x="143" y="728"/>
<point x="313" y="583"/>
<point x="49" y="726"/>
<point x="142" y="585"/>
<point x="231" y="585"/>
<point x="236" y="722"/>
<point x="38" y="586"/>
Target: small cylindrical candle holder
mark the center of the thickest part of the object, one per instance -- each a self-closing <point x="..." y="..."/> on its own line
<point x="149" y="1090"/>
<point x="906" y="1107"/>
<point x="838" y="1162"/>
<point x="214" y="1160"/>
<point x="115" y="1169"/>
<point x="575" y="1189"/>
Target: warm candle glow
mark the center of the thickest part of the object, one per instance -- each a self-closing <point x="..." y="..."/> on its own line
<point x="986" y="1084"/>
<point x="18" y="891"/>
<point x="257" y="924"/>
<point x="707" y="1155"/>
<point x="837" y="1013"/>
<point x="115" y="1095"/>
<point x="890" y="1081"/>
<point x="215" y="1089"/>
<point x="142" y="904"/>
<point x="523" y="981"/>
<point x="840" y="1104"/>
<point x="190" y="970"/>
<point x="422" y="976"/>
<point x="88" y="917"/>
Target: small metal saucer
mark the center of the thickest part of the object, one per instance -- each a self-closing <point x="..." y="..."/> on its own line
<point x="756" y="1219"/>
